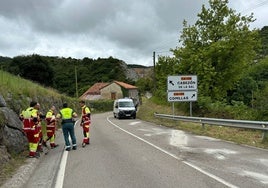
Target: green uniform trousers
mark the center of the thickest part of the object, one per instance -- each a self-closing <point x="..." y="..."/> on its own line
<point x="68" y="130"/>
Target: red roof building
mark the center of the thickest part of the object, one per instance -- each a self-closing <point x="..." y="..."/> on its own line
<point x="114" y="90"/>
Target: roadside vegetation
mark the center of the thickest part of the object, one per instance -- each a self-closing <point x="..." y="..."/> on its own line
<point x="237" y="135"/>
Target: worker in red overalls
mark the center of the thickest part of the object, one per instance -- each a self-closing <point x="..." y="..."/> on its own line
<point x="51" y="124"/>
<point x="39" y="128"/>
<point x="31" y="122"/>
<point x="85" y="122"/>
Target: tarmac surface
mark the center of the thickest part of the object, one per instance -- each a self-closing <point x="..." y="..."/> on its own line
<point x="25" y="172"/>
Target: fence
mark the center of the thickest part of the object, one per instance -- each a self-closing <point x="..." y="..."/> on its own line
<point x="255" y="125"/>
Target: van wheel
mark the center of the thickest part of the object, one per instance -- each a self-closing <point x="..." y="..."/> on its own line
<point x="114" y="115"/>
<point x="134" y="117"/>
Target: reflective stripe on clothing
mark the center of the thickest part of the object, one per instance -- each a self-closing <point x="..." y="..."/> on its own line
<point x="87" y="122"/>
<point x="27" y="128"/>
<point x="50" y="126"/>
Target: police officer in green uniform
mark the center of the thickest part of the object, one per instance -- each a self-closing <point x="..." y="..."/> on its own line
<point x="67" y="114"/>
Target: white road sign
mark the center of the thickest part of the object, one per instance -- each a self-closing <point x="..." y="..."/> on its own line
<point x="182" y="83"/>
<point x="182" y="96"/>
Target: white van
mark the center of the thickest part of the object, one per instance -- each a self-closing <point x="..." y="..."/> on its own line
<point x="124" y="108"/>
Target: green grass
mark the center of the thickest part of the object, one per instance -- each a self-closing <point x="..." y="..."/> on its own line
<point x="237" y="135"/>
<point x="19" y="86"/>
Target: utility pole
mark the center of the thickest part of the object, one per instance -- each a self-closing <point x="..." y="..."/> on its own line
<point x="75" y="71"/>
<point x="154" y="79"/>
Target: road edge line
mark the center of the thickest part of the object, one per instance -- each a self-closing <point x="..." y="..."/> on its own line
<point x="174" y="156"/>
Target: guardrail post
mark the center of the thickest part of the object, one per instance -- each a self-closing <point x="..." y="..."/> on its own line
<point x="264" y="135"/>
<point x="203" y="125"/>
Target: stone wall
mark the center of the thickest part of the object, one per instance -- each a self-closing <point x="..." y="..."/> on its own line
<point x="12" y="140"/>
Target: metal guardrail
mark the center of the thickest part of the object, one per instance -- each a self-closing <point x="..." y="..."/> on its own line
<point x="256" y="125"/>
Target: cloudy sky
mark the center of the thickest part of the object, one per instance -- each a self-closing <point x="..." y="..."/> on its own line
<point x="129" y="30"/>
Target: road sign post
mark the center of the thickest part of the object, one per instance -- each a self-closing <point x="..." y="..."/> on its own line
<point x="182" y="83"/>
<point x="182" y="96"/>
<point x="182" y="88"/>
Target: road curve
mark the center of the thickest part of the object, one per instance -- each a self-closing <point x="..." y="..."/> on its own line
<point x="134" y="153"/>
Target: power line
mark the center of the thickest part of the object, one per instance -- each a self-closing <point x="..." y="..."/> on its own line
<point x="161" y="52"/>
<point x="166" y="45"/>
<point x="164" y="53"/>
<point x="256" y="6"/>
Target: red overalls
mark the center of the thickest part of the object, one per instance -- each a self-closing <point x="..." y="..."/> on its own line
<point x="51" y="127"/>
<point x="85" y="123"/>
<point x="30" y="121"/>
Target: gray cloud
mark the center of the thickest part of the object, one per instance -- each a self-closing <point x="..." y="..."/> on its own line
<point x="128" y="30"/>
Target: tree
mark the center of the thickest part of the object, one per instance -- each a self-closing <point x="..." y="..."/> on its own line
<point x="259" y="73"/>
<point x="62" y="73"/>
<point x="164" y="67"/>
<point x="32" y="67"/>
<point x="144" y="85"/>
<point x="244" y="91"/>
<point x="216" y="48"/>
<point x="264" y="41"/>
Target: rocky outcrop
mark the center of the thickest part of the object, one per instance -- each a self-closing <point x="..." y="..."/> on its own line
<point x="4" y="156"/>
<point x="12" y="139"/>
<point x="130" y="74"/>
<point x="11" y="134"/>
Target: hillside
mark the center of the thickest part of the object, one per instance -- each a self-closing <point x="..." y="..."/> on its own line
<point x="15" y="95"/>
<point x="65" y="73"/>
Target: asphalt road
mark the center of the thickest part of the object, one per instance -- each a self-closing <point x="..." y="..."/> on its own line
<point x="136" y="154"/>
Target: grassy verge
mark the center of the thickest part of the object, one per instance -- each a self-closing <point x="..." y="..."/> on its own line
<point x="237" y="135"/>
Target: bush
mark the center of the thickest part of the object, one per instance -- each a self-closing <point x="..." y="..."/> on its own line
<point x="101" y="105"/>
<point x="205" y="107"/>
<point x="241" y="111"/>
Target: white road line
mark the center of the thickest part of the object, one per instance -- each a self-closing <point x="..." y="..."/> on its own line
<point x="61" y="172"/>
<point x="176" y="157"/>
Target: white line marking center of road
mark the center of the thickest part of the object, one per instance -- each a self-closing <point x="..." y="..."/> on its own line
<point x="61" y="172"/>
